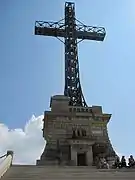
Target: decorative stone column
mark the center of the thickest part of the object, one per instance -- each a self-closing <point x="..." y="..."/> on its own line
<point x="73" y="156"/>
<point x="90" y="156"/>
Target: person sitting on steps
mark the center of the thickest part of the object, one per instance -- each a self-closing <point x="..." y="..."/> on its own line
<point x="117" y="162"/>
<point x="131" y="161"/>
<point x="103" y="163"/>
<point x="123" y="162"/>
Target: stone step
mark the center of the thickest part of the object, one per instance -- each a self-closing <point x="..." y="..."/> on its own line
<point x="27" y="172"/>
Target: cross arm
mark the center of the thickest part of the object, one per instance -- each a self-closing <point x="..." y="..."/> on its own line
<point x="57" y="29"/>
<point x="90" y="32"/>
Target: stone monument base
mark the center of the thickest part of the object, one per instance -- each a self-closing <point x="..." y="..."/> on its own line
<point x="75" y="136"/>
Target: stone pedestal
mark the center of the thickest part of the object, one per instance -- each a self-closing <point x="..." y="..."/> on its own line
<point x="77" y="131"/>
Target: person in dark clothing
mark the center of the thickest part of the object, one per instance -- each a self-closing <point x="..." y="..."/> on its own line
<point x="117" y="162"/>
<point x="131" y="161"/>
<point x="123" y="162"/>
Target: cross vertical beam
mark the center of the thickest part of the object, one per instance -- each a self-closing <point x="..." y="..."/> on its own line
<point x="71" y="30"/>
<point x="72" y="81"/>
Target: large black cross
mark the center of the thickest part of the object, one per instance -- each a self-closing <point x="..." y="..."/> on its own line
<point x="71" y="30"/>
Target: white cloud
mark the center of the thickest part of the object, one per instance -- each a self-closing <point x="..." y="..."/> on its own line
<point x="27" y="143"/>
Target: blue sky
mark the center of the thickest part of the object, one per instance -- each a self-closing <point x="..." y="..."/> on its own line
<point x="32" y="67"/>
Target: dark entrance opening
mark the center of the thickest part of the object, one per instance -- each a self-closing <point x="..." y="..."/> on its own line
<point x="81" y="159"/>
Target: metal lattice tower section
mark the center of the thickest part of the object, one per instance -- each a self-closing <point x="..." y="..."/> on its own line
<point x="71" y="30"/>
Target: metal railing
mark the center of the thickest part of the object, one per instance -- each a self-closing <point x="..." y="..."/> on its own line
<point x="6" y="163"/>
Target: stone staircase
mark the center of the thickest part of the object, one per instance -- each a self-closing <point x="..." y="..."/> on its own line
<point x="29" y="172"/>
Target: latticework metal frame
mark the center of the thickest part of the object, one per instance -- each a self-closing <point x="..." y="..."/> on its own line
<point x="71" y="30"/>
